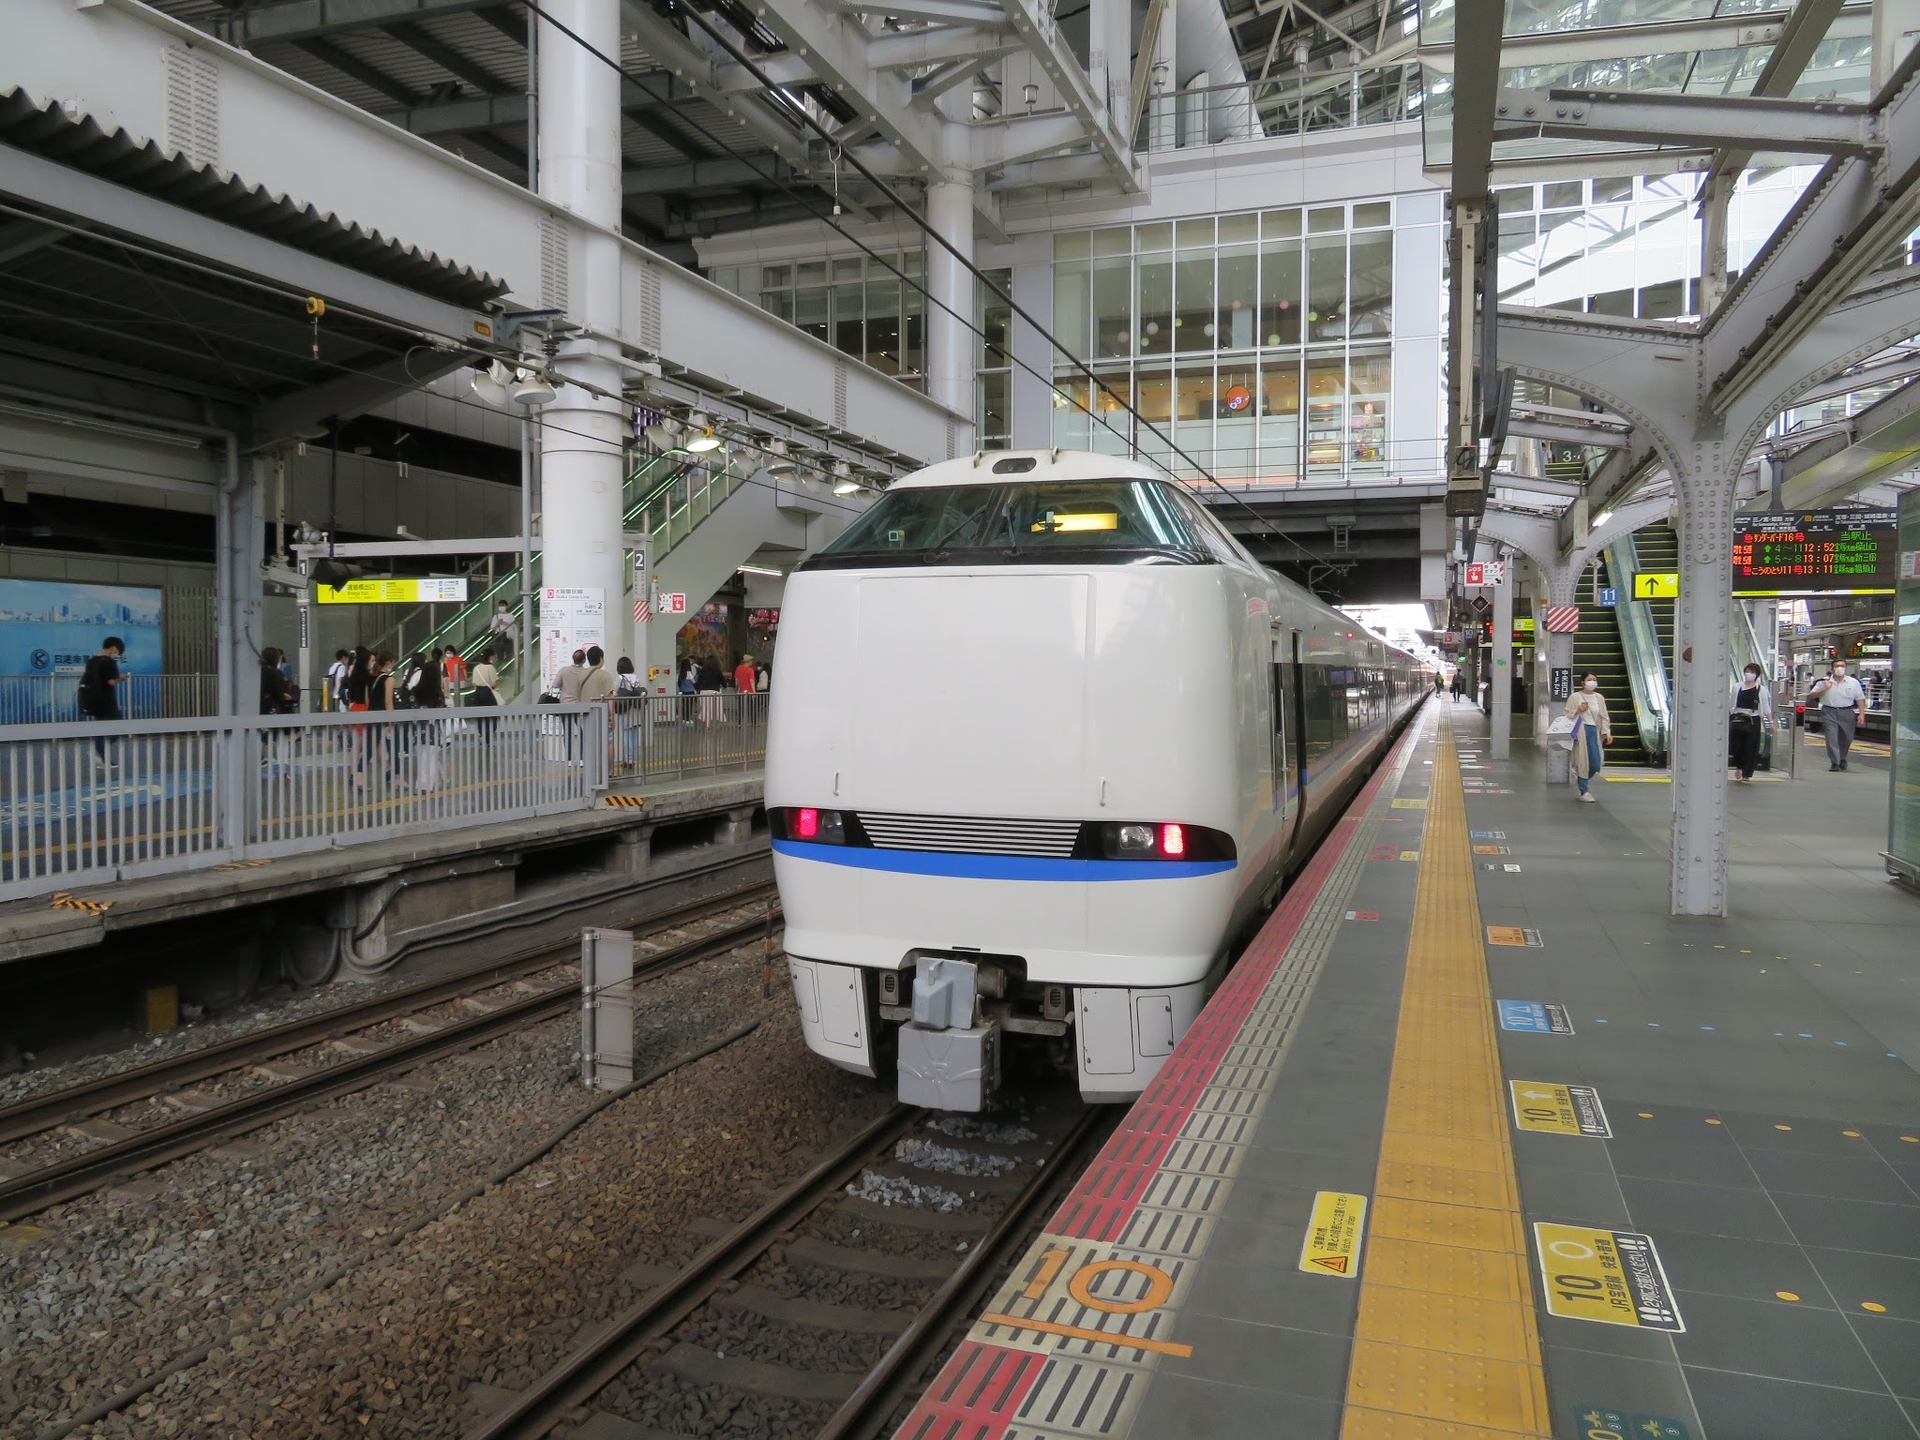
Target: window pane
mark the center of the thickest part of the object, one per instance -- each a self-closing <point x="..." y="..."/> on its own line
<point x="847" y="315"/>
<point x="1113" y="242"/>
<point x="1113" y="305"/>
<point x="1326" y="413"/>
<point x="1372" y="216"/>
<point x="778" y="302"/>
<point x="1326" y="287"/>
<point x="1072" y="306"/>
<point x="1280" y="293"/>
<point x="1193" y="418"/>
<point x="1156" y="305"/>
<point x="775" y="277"/>
<point x="1070" y="245"/>
<point x="1280" y="223"/>
<point x="1234" y="426"/>
<point x="1193" y="297"/>
<point x="1280" y="418"/>
<point x="1070" y="418"/>
<point x="814" y="272"/>
<point x="996" y="410"/>
<point x="1112" y="425"/>
<point x="1194" y="234"/>
<point x="912" y="356"/>
<point x="996" y="318"/>
<point x="1153" y="398"/>
<point x="1372" y="285"/>
<point x="1154" y="237"/>
<point x="847" y="269"/>
<point x="1562" y="194"/>
<point x="1239" y="228"/>
<point x="1239" y="283"/>
<point x="810" y="311"/>
<point x="883" y="325"/>
<point x="1326" y="221"/>
<point x="1370" y="381"/>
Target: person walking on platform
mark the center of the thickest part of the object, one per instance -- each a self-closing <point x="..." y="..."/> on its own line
<point x="1591" y="731"/>
<point x="1459" y="684"/>
<point x="1843" y="705"/>
<point x="1751" y="707"/>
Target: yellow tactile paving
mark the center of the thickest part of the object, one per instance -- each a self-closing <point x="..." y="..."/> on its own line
<point x="1446" y="1346"/>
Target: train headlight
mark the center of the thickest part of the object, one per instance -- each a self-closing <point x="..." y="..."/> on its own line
<point x="1157" y="840"/>
<point x="1135" y="840"/>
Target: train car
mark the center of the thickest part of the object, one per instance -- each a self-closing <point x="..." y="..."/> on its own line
<point x="1045" y="741"/>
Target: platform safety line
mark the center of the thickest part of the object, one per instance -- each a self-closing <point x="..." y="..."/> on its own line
<point x="1447" y="1341"/>
<point x="1068" y="1345"/>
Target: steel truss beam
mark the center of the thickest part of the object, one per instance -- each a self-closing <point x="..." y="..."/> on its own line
<point x="1665" y="37"/>
<point x="1718" y="121"/>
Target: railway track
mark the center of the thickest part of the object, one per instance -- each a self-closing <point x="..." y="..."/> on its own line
<point x="643" y="1335"/>
<point x="119" y="1159"/>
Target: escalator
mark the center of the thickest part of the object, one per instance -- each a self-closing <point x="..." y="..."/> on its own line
<point x="1596" y="648"/>
<point x="1630" y="645"/>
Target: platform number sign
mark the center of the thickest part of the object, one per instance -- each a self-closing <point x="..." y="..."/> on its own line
<point x="1609" y="596"/>
<point x="1562" y="682"/>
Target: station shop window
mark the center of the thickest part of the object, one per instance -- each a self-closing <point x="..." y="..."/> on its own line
<point x="1214" y="327"/>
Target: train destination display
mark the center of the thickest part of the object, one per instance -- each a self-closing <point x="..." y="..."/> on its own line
<point x="1817" y="552"/>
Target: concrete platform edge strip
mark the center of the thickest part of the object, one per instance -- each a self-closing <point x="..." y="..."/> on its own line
<point x="1068" y="1345"/>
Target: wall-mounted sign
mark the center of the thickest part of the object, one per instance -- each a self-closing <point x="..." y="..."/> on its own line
<point x="1816" y="552"/>
<point x="1486" y="572"/>
<point x="1656" y="585"/>
<point x="1609" y="596"/>
<point x="425" y="590"/>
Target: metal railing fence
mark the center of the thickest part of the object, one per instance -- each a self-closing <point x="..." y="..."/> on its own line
<point x="1271" y="109"/>
<point x="117" y="800"/>
<point x="54" y="699"/>
<point x="663" y="736"/>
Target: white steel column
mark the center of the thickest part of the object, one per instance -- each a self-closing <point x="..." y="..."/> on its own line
<point x="1702" y="643"/>
<point x="952" y="344"/>
<point x="581" y="432"/>
<point x="1500" y="678"/>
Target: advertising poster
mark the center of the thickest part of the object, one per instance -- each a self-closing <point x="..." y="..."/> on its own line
<point x="572" y="617"/>
<point x="53" y="627"/>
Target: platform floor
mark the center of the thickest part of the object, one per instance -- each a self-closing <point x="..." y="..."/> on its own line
<point x="1477" y="1141"/>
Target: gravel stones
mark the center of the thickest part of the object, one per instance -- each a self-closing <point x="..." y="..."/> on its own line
<point x="929" y="1155"/>
<point x="892" y="1190"/>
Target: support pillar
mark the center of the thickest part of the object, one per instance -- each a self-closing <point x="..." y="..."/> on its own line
<point x="1703" y="652"/>
<point x="583" y="430"/>
<point x="241" y="595"/>
<point x="952" y="345"/>
<point x="1109" y="51"/>
<point x="1500" y="676"/>
<point x="1163" y="84"/>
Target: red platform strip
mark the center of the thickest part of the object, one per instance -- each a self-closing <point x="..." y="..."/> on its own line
<point x="975" y="1395"/>
<point x="1104" y="1200"/>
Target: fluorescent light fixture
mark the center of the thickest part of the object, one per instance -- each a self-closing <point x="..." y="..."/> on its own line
<point x="767" y="570"/>
<point x="1600" y="519"/>
<point x="848" y="487"/>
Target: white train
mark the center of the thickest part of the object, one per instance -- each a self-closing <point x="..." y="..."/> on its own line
<point x="1045" y="741"/>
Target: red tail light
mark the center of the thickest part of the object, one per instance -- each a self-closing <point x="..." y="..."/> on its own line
<point x="1173" y="840"/>
<point x="806" y="824"/>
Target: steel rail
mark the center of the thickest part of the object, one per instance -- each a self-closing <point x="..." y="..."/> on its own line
<point x="40" y="1113"/>
<point x="583" y="1374"/>
<point x="867" y="1412"/>
<point x="82" y="1174"/>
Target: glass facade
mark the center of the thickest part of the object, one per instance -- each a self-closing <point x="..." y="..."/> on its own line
<point x="858" y="306"/>
<point x="994" y="405"/>
<point x="1257" y="344"/>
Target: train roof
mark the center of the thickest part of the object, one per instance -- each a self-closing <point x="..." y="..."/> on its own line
<point x="998" y="467"/>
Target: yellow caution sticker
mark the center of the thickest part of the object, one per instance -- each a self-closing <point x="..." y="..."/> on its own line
<point x="1409" y="854"/>
<point x="1409" y="805"/>
<point x="1514" y="934"/>
<point x="1493" y="849"/>
<point x="1333" y="1235"/>
<point x="1559" y="1109"/>
<point x="1612" y="1276"/>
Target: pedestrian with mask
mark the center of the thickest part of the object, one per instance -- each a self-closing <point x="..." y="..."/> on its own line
<point x="1591" y="732"/>
<point x="1751" y="707"/>
<point x="1843" y="705"/>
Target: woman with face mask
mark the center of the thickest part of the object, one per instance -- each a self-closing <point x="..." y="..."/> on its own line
<point x="1751" y="706"/>
<point x="1591" y="730"/>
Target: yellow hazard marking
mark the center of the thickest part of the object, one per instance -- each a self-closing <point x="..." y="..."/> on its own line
<point x="1506" y="935"/>
<point x="1446" y="1342"/>
<point x="634" y="801"/>
<point x="1409" y="805"/>
<point x="1409" y="854"/>
<point x="61" y="900"/>
<point x="1332" y="1246"/>
<point x="1612" y="1276"/>
<point x="1081" y="1332"/>
<point x="1559" y="1109"/>
<point x="1638" y="779"/>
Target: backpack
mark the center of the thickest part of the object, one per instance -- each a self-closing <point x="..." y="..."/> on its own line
<point x="94" y="695"/>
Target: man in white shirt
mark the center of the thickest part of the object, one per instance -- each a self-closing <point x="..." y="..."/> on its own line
<point x="337" y="679"/>
<point x="1843" y="705"/>
<point x="568" y="677"/>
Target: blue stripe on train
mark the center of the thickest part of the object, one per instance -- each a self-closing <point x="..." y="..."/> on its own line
<point x="997" y="867"/>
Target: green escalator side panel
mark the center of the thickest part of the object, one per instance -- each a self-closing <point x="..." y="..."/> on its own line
<point x="1597" y="647"/>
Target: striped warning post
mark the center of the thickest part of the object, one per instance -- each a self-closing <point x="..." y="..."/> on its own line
<point x="1563" y="619"/>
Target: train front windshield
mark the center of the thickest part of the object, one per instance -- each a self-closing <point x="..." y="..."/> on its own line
<point x="1112" y="521"/>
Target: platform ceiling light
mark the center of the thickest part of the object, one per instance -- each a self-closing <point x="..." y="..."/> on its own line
<point x="848" y="487"/>
<point x="530" y="387"/>
<point x="703" y="438"/>
<point x="491" y="383"/>
<point x="766" y="570"/>
<point x="1601" y="519"/>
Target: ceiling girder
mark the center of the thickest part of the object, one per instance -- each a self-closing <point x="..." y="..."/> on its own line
<point x="446" y="57"/>
<point x="354" y="68"/>
<point x="1717" y="121"/>
<point x="695" y="66"/>
<point x="1665" y="37"/>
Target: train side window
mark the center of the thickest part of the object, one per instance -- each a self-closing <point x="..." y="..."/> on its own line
<point x="1325" y="692"/>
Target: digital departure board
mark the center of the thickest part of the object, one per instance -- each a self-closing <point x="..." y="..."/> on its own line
<point x="1818" y="552"/>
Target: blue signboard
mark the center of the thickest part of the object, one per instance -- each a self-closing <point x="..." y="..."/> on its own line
<point x="52" y="627"/>
<point x="1534" y="1016"/>
<point x="1609" y="595"/>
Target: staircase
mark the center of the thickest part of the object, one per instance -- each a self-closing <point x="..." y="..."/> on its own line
<point x="666" y="496"/>
<point x="1657" y="547"/>
<point x="1596" y="647"/>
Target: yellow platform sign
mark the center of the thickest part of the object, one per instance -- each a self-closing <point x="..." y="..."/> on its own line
<point x="1332" y="1245"/>
<point x="1656" y="585"/>
<point x="410" y="590"/>
<point x="1612" y="1276"/>
<point x="1559" y="1109"/>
